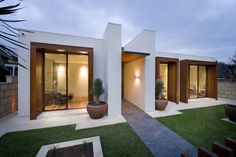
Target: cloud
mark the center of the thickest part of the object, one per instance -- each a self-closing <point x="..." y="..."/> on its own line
<point x="203" y="27"/>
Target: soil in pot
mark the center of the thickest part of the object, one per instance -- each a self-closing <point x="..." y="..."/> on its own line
<point x="72" y="151"/>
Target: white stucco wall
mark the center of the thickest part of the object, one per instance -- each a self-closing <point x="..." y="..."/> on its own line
<point x="53" y="38"/>
<point x="134" y="79"/>
<point x="145" y="42"/>
<point x="112" y="44"/>
<point x="107" y="66"/>
<point x="184" y="56"/>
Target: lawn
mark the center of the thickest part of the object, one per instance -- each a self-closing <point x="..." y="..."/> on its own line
<point x="201" y="126"/>
<point x="116" y="140"/>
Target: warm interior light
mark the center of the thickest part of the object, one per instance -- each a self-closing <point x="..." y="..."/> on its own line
<point x="137" y="75"/>
<point x="83" y="72"/>
<point x="137" y="78"/>
<point x="61" y="50"/>
<point x="83" y="52"/>
<point x="61" y="68"/>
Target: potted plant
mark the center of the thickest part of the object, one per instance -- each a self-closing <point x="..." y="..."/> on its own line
<point x="97" y="109"/>
<point x="161" y="102"/>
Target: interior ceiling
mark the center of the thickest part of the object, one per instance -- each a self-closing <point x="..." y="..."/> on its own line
<point x="72" y="58"/>
<point x="129" y="57"/>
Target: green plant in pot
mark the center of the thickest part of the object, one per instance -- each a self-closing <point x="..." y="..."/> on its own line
<point x="97" y="109"/>
<point x="161" y="102"/>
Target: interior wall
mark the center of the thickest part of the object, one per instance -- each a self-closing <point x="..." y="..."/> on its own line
<point x="134" y="82"/>
<point x="78" y="79"/>
<point x="164" y="77"/>
<point x="60" y="70"/>
<point x="193" y="77"/>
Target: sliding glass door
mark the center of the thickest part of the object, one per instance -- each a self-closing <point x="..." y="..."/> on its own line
<point x="65" y="81"/>
<point x="202" y="81"/>
<point x="197" y="78"/>
<point x="77" y="81"/>
<point x="193" y="88"/>
<point x="55" y="81"/>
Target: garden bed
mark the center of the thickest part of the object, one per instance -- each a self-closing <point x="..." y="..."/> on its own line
<point x="85" y="150"/>
<point x="86" y="147"/>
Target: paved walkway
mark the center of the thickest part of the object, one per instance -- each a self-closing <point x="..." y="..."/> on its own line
<point x="80" y="117"/>
<point x="173" y="109"/>
<point x="160" y="140"/>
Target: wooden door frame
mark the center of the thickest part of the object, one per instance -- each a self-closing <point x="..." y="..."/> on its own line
<point x="168" y="61"/>
<point x="185" y="77"/>
<point x="34" y="47"/>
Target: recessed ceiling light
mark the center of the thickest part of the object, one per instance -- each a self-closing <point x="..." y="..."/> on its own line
<point x="61" y="50"/>
<point x="83" y="52"/>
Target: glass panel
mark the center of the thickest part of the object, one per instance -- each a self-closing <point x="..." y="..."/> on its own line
<point x="193" y="81"/>
<point x="77" y="81"/>
<point x="202" y="81"/>
<point x="55" y="81"/>
<point x="164" y="77"/>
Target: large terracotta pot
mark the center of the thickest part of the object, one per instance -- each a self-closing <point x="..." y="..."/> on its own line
<point x="230" y="111"/>
<point x="96" y="111"/>
<point x="161" y="104"/>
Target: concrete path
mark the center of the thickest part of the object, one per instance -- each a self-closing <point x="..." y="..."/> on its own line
<point x="80" y="117"/>
<point x="160" y="140"/>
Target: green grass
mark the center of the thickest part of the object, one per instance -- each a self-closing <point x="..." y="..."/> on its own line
<point x="116" y="140"/>
<point x="201" y="126"/>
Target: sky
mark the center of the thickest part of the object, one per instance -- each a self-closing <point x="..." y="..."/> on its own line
<point x="197" y="27"/>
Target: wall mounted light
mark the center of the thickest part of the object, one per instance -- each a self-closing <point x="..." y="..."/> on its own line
<point x="137" y="75"/>
<point x="83" y="52"/>
<point x="137" y="78"/>
<point x="61" y="50"/>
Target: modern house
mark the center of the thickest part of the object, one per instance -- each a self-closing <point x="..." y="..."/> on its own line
<point x="61" y="68"/>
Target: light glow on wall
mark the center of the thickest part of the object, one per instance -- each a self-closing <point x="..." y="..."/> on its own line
<point x="61" y="78"/>
<point x="61" y="68"/>
<point x="83" y="72"/>
<point x="137" y="77"/>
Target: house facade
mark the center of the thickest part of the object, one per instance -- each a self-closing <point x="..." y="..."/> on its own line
<point x="60" y="70"/>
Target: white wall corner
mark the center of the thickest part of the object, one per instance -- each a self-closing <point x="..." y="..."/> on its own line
<point x="112" y="44"/>
<point x="149" y="83"/>
<point x="143" y="42"/>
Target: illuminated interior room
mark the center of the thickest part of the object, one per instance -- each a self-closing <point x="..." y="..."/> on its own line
<point x="198" y="80"/>
<point x="164" y="78"/>
<point x="167" y="71"/>
<point x="66" y="81"/>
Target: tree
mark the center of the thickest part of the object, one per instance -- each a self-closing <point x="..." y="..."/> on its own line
<point x="232" y="67"/>
<point x="8" y="35"/>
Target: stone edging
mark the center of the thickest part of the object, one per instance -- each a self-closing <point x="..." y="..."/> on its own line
<point x="97" y="148"/>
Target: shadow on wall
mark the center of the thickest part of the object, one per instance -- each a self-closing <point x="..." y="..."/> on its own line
<point x="134" y="82"/>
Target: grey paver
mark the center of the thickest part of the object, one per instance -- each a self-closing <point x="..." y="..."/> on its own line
<point x="160" y="140"/>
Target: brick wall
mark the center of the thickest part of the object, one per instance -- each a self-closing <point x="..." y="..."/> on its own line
<point x="8" y="97"/>
<point x="227" y="90"/>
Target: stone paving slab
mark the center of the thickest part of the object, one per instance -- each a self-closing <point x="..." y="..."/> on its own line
<point x="160" y="140"/>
